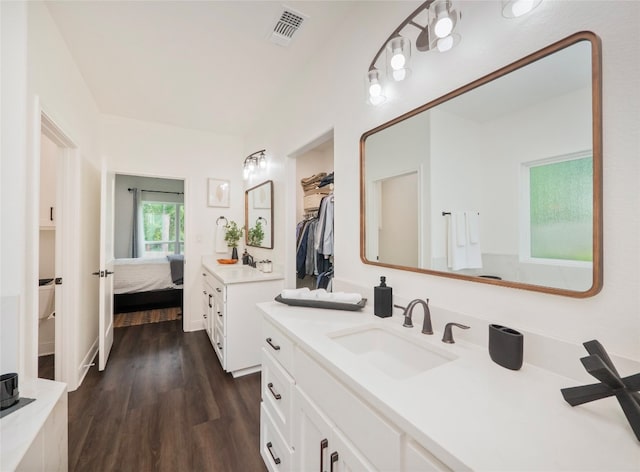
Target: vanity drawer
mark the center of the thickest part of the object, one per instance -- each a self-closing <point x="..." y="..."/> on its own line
<point x="351" y="415"/>
<point x="219" y="345"/>
<point x="277" y="395"/>
<point x="218" y="287"/>
<point x="278" y="345"/>
<point x="275" y="453"/>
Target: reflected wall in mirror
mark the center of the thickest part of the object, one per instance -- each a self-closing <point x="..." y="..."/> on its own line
<point x="498" y="182"/>
<point x="258" y="215"/>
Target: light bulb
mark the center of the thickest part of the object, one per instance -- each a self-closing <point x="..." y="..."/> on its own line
<point x="443" y="26"/>
<point x="521" y="7"/>
<point x="262" y="162"/>
<point x="398" y="60"/>
<point x="444" y="44"/>
<point x="399" y="74"/>
<point x="375" y="89"/>
<point x="251" y="166"/>
<point x="245" y="173"/>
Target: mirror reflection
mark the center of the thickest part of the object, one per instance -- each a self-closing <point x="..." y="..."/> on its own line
<point x="498" y="181"/>
<point x="258" y="215"/>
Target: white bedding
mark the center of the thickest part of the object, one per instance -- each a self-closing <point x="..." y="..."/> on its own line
<point x="142" y="275"/>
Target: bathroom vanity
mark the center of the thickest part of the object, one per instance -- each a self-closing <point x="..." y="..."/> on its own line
<point x="34" y="437"/>
<point x="350" y="391"/>
<point x="232" y="321"/>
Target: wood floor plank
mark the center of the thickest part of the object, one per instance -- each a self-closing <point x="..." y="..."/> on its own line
<point x="164" y="403"/>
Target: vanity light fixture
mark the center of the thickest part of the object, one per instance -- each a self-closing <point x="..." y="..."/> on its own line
<point x="516" y="8"/>
<point x="437" y="33"/>
<point x="436" y="22"/>
<point x="256" y="160"/>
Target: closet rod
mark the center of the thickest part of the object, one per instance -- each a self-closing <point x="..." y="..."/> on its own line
<point x="157" y="191"/>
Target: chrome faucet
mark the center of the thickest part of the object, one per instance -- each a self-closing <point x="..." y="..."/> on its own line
<point x="408" y="312"/>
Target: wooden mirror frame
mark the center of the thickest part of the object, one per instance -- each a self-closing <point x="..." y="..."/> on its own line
<point x="596" y="85"/>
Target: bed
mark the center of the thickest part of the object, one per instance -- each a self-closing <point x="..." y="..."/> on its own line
<point x="147" y="283"/>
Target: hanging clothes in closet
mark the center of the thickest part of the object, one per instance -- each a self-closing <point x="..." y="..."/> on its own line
<point x="314" y="234"/>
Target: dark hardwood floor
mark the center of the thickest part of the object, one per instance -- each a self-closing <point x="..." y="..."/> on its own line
<point x="164" y="403"/>
<point x="46" y="367"/>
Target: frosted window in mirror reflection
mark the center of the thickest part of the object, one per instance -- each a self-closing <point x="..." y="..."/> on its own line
<point x="561" y="210"/>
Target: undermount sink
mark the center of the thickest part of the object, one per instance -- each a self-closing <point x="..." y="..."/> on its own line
<point x="395" y="355"/>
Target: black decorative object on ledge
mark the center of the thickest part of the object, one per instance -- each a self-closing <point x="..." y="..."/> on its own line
<point x="599" y="365"/>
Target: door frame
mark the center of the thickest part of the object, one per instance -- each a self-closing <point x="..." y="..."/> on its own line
<point x="65" y="242"/>
<point x="290" y="202"/>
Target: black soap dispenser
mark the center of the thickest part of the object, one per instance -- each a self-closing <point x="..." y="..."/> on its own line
<point x="382" y="299"/>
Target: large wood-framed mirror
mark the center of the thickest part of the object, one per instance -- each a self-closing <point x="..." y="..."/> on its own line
<point x="258" y="215"/>
<point x="499" y="181"/>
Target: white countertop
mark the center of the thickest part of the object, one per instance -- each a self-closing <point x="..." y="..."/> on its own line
<point x="237" y="273"/>
<point x="471" y="412"/>
<point x="19" y="429"/>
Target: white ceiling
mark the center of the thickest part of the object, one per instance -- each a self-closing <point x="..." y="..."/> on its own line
<point x="203" y="64"/>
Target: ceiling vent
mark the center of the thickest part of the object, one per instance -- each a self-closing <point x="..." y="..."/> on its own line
<point x="289" y="22"/>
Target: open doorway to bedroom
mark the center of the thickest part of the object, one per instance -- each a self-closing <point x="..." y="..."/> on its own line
<point x="149" y="238"/>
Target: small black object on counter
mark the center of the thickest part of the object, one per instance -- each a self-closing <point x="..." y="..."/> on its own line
<point x="383" y="299"/>
<point x="9" y="393"/>
<point x="625" y="389"/>
<point x="506" y="346"/>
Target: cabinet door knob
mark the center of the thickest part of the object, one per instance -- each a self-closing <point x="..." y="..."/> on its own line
<point x="218" y="289"/>
<point x="51" y="213"/>
<point x="274" y="346"/>
<point x="275" y="394"/>
<point x="275" y="458"/>
<point x="210" y="296"/>
<point x="323" y="445"/>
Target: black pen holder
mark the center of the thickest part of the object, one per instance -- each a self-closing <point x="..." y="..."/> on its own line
<point x="506" y="346"/>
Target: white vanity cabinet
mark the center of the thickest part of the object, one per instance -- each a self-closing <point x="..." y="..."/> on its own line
<point x="312" y="421"/>
<point x="231" y="317"/>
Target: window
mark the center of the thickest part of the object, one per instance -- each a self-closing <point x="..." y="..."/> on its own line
<point x="560" y="209"/>
<point x="163" y="227"/>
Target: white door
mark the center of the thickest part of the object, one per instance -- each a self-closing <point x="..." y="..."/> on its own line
<point x="106" y="268"/>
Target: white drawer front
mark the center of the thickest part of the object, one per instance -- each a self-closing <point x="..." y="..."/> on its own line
<point x="277" y="395"/>
<point x="350" y="414"/>
<point x="219" y="346"/>
<point x="275" y="453"/>
<point x="278" y="345"/>
<point x="217" y="286"/>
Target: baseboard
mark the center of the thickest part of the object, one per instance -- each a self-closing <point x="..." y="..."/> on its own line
<point x="86" y="363"/>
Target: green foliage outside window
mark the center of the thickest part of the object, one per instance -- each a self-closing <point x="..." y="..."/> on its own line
<point x="159" y="227"/>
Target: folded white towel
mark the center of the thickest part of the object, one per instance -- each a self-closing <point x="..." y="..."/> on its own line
<point x="294" y="293"/>
<point x="344" y="297"/>
<point x="459" y="228"/>
<point x="221" y="244"/>
<point x="473" y="224"/>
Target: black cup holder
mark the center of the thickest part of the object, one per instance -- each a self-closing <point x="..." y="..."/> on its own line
<point x="506" y="346"/>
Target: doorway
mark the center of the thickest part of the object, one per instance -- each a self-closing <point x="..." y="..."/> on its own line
<point x="313" y="258"/>
<point x="148" y="244"/>
<point x="47" y="257"/>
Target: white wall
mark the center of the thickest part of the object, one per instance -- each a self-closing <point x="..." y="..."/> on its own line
<point x="123" y="205"/>
<point x="13" y="79"/>
<point x="36" y="64"/>
<point x="489" y="42"/>
<point x="156" y="150"/>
